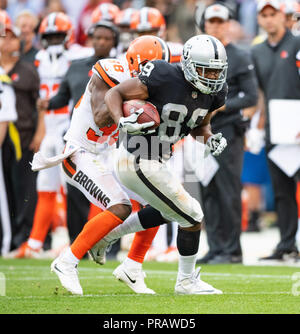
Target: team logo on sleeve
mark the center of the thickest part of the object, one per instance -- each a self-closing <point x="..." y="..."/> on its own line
<point x="284" y="54"/>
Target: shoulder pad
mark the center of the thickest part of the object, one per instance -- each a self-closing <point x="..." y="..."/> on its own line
<point x="112" y="71"/>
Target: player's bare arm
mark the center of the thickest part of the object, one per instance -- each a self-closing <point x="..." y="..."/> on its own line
<point x="204" y="130"/>
<point x="128" y="90"/>
<point x="223" y="108"/>
<point x="98" y="89"/>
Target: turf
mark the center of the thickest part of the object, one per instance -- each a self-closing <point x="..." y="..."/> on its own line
<point x="30" y="288"/>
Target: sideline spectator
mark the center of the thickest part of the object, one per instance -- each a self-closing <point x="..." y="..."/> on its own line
<point x="8" y="114"/>
<point x="30" y="125"/>
<point x="104" y="38"/>
<point x="52" y="63"/>
<point x="222" y="196"/>
<point x="27" y="22"/>
<point x="276" y="64"/>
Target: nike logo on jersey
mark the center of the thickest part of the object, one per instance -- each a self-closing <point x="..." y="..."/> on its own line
<point x="130" y="279"/>
<point x="92" y="188"/>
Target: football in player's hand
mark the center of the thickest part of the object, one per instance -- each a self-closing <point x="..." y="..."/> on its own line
<point x="149" y="114"/>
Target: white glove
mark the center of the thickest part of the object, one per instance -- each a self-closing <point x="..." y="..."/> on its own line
<point x="255" y="140"/>
<point x="215" y="144"/>
<point x="130" y="125"/>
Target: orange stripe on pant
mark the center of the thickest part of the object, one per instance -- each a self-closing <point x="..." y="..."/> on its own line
<point x="69" y="167"/>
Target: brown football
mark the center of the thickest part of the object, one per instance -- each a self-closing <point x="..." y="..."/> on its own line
<point x="149" y="114"/>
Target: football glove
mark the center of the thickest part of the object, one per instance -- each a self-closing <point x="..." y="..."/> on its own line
<point x="215" y="144"/>
<point x="131" y="126"/>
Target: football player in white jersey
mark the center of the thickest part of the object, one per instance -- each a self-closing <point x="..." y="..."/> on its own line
<point x="52" y="62"/>
<point x="87" y="162"/>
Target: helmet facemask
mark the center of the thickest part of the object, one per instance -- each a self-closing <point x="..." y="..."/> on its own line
<point x="197" y="72"/>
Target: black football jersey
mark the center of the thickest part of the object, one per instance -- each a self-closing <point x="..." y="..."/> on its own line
<point x="180" y="105"/>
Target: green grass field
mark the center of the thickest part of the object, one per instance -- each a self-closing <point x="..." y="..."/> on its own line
<point x="30" y="288"/>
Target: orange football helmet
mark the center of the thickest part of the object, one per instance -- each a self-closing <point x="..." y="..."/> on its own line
<point x="58" y="23"/>
<point x="149" y="20"/>
<point x="105" y="11"/>
<point x="144" y="49"/>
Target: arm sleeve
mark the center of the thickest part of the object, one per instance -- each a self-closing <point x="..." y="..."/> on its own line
<point x="219" y="99"/>
<point x="247" y="93"/>
<point x="63" y="95"/>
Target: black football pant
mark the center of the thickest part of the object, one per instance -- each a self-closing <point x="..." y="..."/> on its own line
<point x="284" y="189"/>
<point x="25" y="197"/>
<point x="221" y="199"/>
<point x="7" y="200"/>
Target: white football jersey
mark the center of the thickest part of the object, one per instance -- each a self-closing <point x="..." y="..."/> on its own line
<point x="83" y="130"/>
<point x="52" y="64"/>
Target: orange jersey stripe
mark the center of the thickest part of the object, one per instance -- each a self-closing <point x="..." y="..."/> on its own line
<point x="70" y="169"/>
<point x="104" y="75"/>
<point x="298" y="63"/>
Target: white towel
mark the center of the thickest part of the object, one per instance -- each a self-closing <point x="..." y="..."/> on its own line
<point x="40" y="162"/>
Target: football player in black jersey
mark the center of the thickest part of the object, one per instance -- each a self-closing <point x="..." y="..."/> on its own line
<point x="185" y="96"/>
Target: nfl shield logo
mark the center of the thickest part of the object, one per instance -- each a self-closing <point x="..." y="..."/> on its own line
<point x="194" y="95"/>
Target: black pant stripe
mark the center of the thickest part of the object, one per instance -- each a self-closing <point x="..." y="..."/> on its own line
<point x="161" y="196"/>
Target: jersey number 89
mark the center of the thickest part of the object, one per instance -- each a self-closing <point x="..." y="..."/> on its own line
<point x="173" y="116"/>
